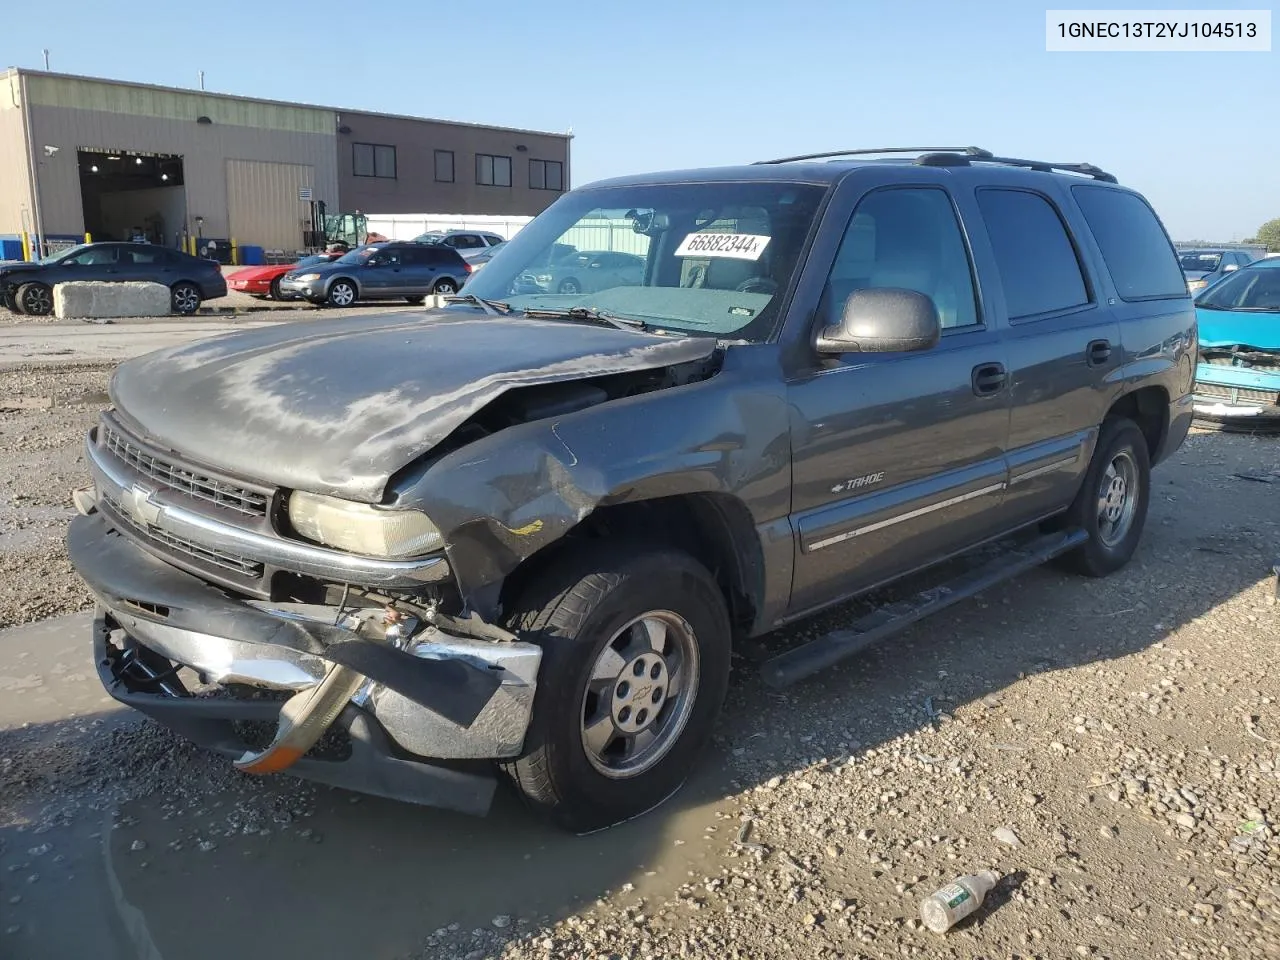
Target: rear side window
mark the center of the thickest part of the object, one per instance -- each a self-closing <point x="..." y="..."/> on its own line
<point x="1134" y="245"/>
<point x="442" y="256"/>
<point x="1039" y="269"/>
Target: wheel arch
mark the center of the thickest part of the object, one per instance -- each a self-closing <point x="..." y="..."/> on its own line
<point x="1148" y="407"/>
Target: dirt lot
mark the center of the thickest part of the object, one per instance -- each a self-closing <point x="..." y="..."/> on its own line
<point x="1124" y="732"/>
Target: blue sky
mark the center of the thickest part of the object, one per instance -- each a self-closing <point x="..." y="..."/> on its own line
<point x="672" y="84"/>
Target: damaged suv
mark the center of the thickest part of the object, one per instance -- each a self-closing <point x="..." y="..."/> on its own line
<point x="523" y="533"/>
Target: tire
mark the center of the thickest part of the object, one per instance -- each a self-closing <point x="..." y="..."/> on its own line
<point x="444" y="287"/>
<point x="569" y="286"/>
<point x="185" y="298"/>
<point x="11" y="300"/>
<point x="273" y="292"/>
<point x="1112" y="517"/>
<point x="416" y="301"/>
<point x="342" y="293"/>
<point x="578" y="609"/>
<point x="35" y="299"/>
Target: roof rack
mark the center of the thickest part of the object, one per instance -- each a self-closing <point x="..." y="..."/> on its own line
<point x="966" y="151"/>
<point x="961" y="157"/>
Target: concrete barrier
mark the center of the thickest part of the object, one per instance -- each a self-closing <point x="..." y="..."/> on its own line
<point x="87" y="300"/>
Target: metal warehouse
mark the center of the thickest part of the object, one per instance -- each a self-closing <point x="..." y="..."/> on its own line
<point x="120" y="161"/>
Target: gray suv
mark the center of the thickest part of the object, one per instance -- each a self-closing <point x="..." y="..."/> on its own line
<point x="523" y="536"/>
<point x="379" y="271"/>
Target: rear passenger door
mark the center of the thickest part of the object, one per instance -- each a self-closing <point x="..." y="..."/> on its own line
<point x="1064" y="345"/>
<point x="149" y="264"/>
<point x="419" y="272"/>
<point x="898" y="458"/>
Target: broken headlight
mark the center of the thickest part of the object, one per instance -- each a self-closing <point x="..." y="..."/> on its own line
<point x="361" y="528"/>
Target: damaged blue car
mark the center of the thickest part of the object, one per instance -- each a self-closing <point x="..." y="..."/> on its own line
<point x="1238" y="376"/>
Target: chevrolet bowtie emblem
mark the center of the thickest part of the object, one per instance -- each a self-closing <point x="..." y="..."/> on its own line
<point x="140" y="505"/>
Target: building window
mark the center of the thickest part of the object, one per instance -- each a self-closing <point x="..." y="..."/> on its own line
<point x="373" y="160"/>
<point x="546" y="175"/>
<point x="493" y="171"/>
<point x="444" y="166"/>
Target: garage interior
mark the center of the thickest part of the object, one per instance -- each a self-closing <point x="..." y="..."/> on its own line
<point x="129" y="195"/>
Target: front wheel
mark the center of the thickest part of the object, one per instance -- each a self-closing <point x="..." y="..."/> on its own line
<point x="185" y="298"/>
<point x="273" y="292"/>
<point x="1112" y="503"/>
<point x="342" y="293"/>
<point x="636" y="649"/>
<point x="35" y="299"/>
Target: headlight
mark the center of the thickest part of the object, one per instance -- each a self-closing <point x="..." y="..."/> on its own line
<point x="307" y="276"/>
<point x="360" y="528"/>
<point x="542" y="278"/>
<point x="1197" y="284"/>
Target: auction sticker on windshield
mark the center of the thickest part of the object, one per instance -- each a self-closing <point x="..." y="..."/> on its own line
<point x="739" y="246"/>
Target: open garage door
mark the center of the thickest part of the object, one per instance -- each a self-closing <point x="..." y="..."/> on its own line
<point x="269" y="203"/>
<point x="129" y="195"/>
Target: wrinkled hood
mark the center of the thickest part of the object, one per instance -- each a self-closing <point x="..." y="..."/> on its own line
<point x="338" y="406"/>
<point x="1229" y="328"/>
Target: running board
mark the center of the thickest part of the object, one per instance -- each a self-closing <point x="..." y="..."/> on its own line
<point x="787" y="668"/>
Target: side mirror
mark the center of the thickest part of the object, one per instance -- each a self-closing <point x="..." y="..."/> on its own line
<point x="883" y="320"/>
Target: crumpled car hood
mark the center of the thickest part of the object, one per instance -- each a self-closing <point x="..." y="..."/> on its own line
<point x="338" y="406"/>
<point x="1228" y="328"/>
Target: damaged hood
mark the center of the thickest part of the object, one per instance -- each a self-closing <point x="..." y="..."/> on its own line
<point x="338" y="406"/>
<point x="1247" y="328"/>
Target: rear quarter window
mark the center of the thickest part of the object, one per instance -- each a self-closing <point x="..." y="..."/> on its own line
<point x="1134" y="245"/>
<point x="442" y="256"/>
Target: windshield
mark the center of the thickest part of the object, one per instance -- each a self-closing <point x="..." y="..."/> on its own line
<point x="1250" y="288"/>
<point x="358" y="255"/>
<point x="1196" y="261"/>
<point x="710" y="259"/>
<point x="428" y="238"/>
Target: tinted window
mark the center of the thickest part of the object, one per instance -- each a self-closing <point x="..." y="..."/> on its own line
<point x="442" y="256"/>
<point x="141" y="256"/>
<point x="1133" y="244"/>
<point x="444" y="166"/>
<point x="906" y="238"/>
<point x="1197" y="260"/>
<point x="94" y="256"/>
<point x="1038" y="265"/>
<point x="1254" y="288"/>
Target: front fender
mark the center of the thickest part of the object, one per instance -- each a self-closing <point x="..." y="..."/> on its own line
<point x="501" y="499"/>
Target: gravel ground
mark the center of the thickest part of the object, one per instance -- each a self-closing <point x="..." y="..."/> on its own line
<point x="1111" y="747"/>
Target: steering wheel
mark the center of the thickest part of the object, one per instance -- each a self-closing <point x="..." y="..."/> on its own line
<point x="766" y="285"/>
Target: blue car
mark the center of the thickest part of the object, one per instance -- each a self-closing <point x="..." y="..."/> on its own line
<point x="1238" y="377"/>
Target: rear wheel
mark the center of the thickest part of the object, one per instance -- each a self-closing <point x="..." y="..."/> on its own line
<point x="569" y="286"/>
<point x="342" y="293"/>
<point x="444" y="286"/>
<point x="35" y="299"/>
<point x="185" y="298"/>
<point x="636" y="648"/>
<point x="1112" y="503"/>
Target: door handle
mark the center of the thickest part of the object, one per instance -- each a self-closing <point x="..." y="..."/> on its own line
<point x="988" y="379"/>
<point x="1098" y="352"/>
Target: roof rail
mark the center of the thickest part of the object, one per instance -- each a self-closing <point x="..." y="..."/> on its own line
<point x="942" y="159"/>
<point x="964" y="151"/>
<point x="958" y="157"/>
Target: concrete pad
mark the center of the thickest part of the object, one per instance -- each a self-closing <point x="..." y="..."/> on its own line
<point x="83" y="299"/>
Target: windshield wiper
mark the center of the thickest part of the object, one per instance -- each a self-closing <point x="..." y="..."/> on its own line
<point x="495" y="308"/>
<point x="586" y="313"/>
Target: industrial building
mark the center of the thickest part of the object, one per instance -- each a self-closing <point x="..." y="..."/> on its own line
<point x="121" y="160"/>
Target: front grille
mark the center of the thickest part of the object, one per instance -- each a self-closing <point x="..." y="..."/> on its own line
<point x="196" y="551"/>
<point x="249" y="503"/>
<point x="1236" y="394"/>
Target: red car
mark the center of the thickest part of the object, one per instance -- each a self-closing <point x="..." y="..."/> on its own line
<point x="264" y="281"/>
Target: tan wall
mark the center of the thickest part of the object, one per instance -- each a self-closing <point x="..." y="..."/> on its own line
<point x="15" y="190"/>
<point x="263" y="202"/>
<point x="163" y="121"/>
<point x="415" y="189"/>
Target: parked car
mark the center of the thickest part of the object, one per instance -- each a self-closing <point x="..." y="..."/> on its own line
<point x="1238" y="376"/>
<point x="531" y="528"/>
<point x="264" y="281"/>
<point x="586" y="272"/>
<point x="1204" y="268"/>
<point x="379" y="271"/>
<point x="478" y="260"/>
<point x="27" y="287"/>
<point x="469" y="243"/>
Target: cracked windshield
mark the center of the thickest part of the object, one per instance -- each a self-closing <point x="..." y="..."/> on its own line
<point x="705" y="259"/>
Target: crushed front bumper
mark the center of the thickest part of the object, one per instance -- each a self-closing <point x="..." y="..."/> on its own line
<point x="428" y="705"/>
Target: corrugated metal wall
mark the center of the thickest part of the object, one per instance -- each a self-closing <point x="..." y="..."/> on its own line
<point x="15" y="182"/>
<point x="239" y="131"/>
<point x="262" y="198"/>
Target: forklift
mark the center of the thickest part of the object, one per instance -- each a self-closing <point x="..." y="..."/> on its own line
<point x="351" y="229"/>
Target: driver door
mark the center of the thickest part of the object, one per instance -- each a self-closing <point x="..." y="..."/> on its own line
<point x="383" y="275"/>
<point x="898" y="458"/>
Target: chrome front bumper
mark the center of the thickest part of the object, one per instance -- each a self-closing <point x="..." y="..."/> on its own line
<point x="436" y="695"/>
